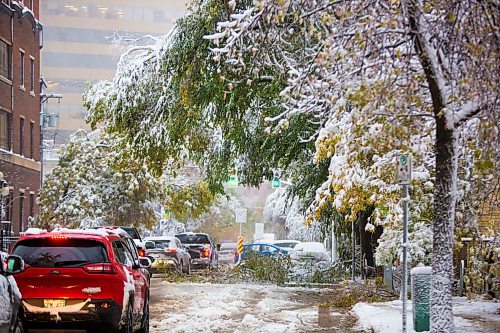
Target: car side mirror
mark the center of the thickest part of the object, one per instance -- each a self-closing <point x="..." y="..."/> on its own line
<point x="149" y="245"/>
<point x="15" y="264"/>
<point x="218" y="247"/>
<point x="144" y="262"/>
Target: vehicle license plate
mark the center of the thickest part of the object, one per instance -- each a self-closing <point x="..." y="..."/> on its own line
<point x="54" y="303"/>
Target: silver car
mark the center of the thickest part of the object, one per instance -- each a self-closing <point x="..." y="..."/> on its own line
<point x="168" y="254"/>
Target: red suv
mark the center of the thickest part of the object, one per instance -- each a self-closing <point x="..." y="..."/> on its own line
<point x="83" y="278"/>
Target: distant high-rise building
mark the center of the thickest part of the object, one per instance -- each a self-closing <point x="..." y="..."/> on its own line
<point x="78" y="47"/>
<point x="20" y="44"/>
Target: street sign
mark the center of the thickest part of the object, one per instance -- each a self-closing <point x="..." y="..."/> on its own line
<point x="276" y="182"/>
<point x="259" y="231"/>
<point x="233" y="181"/>
<point x="404" y="170"/>
<point x="241" y="215"/>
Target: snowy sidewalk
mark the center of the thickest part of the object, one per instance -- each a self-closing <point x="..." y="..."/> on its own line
<point x="470" y="316"/>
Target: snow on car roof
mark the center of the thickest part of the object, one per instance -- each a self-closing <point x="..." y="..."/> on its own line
<point x="159" y="238"/>
<point x="312" y="247"/>
<point x="91" y="232"/>
<point x="285" y="241"/>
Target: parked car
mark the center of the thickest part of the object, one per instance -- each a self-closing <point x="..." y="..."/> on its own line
<point x="310" y="251"/>
<point x="10" y="297"/>
<point x="134" y="233"/>
<point x="168" y="252"/>
<point x="137" y="253"/>
<point x="201" y="248"/>
<point x="227" y="252"/>
<point x="286" y="244"/>
<point x="85" y="279"/>
<point x="262" y="249"/>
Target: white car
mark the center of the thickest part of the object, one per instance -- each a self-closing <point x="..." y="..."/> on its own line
<point x="286" y="244"/>
<point x="310" y="251"/>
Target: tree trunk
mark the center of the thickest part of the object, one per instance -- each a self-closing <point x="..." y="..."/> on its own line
<point x="446" y="175"/>
<point x="443" y="225"/>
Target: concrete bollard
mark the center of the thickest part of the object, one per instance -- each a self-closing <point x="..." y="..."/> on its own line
<point x="421" y="296"/>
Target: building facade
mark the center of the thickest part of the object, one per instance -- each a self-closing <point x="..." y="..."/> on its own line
<point x="80" y="47"/>
<point x="20" y="44"/>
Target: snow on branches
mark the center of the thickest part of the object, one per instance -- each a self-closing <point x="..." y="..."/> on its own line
<point x="97" y="183"/>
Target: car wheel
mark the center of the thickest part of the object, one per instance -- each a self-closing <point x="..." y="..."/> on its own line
<point x="18" y="327"/>
<point x="188" y="269"/>
<point x="145" y="318"/>
<point x="128" y="327"/>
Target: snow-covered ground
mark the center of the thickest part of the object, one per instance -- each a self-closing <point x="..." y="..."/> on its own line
<point x="198" y="307"/>
<point x="470" y="316"/>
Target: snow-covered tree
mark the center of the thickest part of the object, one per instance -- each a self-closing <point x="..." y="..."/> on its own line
<point x="96" y="182"/>
<point x="387" y="67"/>
<point x="346" y="84"/>
<point x="281" y="207"/>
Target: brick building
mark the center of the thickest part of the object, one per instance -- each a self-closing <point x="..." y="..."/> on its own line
<point x="20" y="44"/>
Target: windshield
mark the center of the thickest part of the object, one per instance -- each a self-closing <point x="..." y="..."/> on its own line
<point x="61" y="252"/>
<point x="228" y="246"/>
<point x="162" y="244"/>
<point x="193" y="239"/>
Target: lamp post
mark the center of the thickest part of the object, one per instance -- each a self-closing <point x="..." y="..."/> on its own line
<point x="4" y="191"/>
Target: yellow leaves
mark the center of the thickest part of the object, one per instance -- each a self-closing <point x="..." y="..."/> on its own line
<point x="189" y="201"/>
<point x="325" y="147"/>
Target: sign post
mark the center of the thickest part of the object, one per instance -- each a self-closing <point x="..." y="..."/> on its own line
<point x="404" y="179"/>
<point x="241" y="216"/>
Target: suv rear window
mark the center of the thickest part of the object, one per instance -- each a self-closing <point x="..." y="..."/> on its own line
<point x="46" y="252"/>
<point x="193" y="239"/>
<point x="132" y="232"/>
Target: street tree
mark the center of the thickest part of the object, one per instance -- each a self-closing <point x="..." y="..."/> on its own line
<point x="96" y="182"/>
<point x="400" y="66"/>
<point x="331" y="91"/>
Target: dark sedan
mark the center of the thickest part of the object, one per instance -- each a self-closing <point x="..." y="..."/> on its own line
<point x="202" y="249"/>
<point x="168" y="253"/>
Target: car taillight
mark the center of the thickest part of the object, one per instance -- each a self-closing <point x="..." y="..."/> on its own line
<point x="58" y="237"/>
<point x="99" y="268"/>
<point x="170" y="250"/>
<point x="142" y="253"/>
<point x="205" y="252"/>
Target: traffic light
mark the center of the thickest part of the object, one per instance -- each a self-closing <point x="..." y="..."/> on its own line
<point x="276" y="182"/>
<point x="233" y="181"/>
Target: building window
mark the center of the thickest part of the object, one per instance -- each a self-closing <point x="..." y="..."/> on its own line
<point x="32" y="140"/>
<point x="32" y="75"/>
<point x="5" y="60"/>
<point x="21" y="211"/>
<point x="32" y="204"/>
<point x="21" y="136"/>
<point x="5" y="130"/>
<point x="21" y="66"/>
